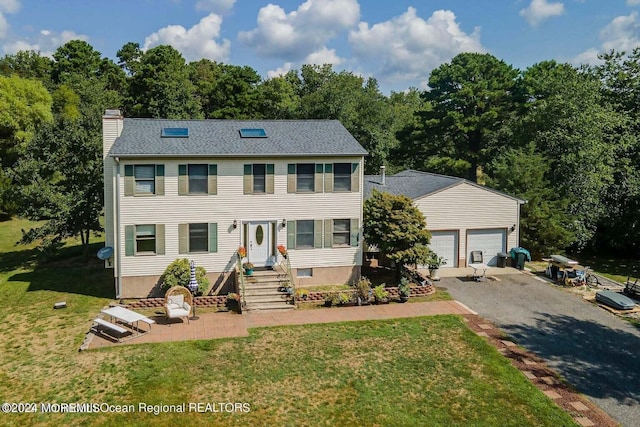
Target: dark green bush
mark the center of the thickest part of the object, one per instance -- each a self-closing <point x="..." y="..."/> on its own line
<point x="178" y="273"/>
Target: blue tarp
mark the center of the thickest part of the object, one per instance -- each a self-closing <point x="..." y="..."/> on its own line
<point x="519" y="250"/>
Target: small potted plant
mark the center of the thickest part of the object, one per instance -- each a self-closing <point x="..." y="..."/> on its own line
<point x="302" y="294"/>
<point x="434" y="263"/>
<point x="248" y="268"/>
<point x="380" y="295"/>
<point x="363" y="291"/>
<point x="233" y="298"/>
<point x="282" y="250"/>
<point x="344" y="298"/>
<point x="404" y="290"/>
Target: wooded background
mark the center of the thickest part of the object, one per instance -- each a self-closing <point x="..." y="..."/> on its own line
<point x="561" y="137"/>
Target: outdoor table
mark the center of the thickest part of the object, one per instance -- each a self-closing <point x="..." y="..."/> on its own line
<point x="479" y="271"/>
<point x="128" y="316"/>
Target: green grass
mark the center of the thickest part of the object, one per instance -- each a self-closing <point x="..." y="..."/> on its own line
<point x="614" y="269"/>
<point x="423" y="371"/>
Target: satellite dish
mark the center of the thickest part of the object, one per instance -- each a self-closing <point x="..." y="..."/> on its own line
<point x="105" y="253"/>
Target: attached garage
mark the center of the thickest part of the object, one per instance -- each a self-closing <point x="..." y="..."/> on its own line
<point x="462" y="216"/>
<point x="489" y="241"/>
<point x="445" y="244"/>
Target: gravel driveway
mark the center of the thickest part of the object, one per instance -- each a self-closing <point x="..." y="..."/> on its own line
<point x="593" y="350"/>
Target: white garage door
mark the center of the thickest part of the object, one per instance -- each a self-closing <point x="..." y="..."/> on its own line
<point x="490" y="242"/>
<point x="445" y="244"/>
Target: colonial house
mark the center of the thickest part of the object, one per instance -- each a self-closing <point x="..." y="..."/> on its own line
<point x="200" y="189"/>
<point x="462" y="216"/>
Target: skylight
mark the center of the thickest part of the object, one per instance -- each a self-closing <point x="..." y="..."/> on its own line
<point x="175" y="133"/>
<point x="253" y="133"/>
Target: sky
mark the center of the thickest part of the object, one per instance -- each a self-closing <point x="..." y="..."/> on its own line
<point x="398" y="42"/>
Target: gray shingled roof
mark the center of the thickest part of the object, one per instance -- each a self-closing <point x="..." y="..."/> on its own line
<point x="415" y="184"/>
<point x="142" y="137"/>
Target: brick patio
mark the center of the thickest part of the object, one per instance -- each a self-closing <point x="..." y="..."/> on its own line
<point x="230" y="324"/>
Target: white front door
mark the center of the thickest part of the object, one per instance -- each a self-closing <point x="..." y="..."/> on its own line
<point x="259" y="242"/>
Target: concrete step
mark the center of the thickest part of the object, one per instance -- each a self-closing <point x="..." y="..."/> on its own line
<point x="262" y="292"/>
<point x="265" y="298"/>
<point x="265" y="282"/>
<point x="273" y="305"/>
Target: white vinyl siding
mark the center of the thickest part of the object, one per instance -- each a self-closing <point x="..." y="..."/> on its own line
<point x="469" y="207"/>
<point x="232" y="204"/>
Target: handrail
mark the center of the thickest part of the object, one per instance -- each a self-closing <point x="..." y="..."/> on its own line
<point x="241" y="274"/>
<point x="291" y="281"/>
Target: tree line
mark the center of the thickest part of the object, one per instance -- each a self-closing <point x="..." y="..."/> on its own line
<point x="563" y="138"/>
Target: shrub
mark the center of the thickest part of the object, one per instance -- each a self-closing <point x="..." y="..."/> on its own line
<point x="178" y="273"/>
<point x="363" y="289"/>
<point x="404" y="290"/>
<point x="380" y="294"/>
<point x="344" y="298"/>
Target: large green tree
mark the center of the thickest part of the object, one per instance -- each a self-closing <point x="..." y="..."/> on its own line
<point x="60" y="182"/>
<point x="567" y="120"/>
<point x="544" y="221"/>
<point x="25" y="105"/>
<point x="353" y="100"/>
<point x="279" y="98"/>
<point x="75" y="58"/>
<point x="397" y="227"/>
<point x="28" y="65"/>
<point x="161" y="88"/>
<point x="619" y="230"/>
<point x="468" y="100"/>
<point x="226" y="91"/>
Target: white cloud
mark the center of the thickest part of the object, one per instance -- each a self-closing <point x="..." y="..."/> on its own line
<point x="195" y="43"/>
<point x="539" y="10"/>
<point x="215" y="6"/>
<point x="621" y="34"/>
<point x="407" y="48"/>
<point x="633" y="2"/>
<point x="300" y="33"/>
<point x="46" y="42"/>
<point x="7" y="6"/>
<point x="323" y="56"/>
<point x="280" y="71"/>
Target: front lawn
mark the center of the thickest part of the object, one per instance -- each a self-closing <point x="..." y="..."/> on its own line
<point x="429" y="371"/>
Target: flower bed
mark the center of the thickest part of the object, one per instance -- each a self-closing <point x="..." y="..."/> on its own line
<point x="204" y="301"/>
<point x="416" y="291"/>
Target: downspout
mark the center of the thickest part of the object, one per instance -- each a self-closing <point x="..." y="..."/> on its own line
<point x="117" y="228"/>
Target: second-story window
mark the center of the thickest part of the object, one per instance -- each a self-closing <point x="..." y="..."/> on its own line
<point x="198" y="179"/>
<point x="143" y="180"/>
<point x="342" y="177"/>
<point x="259" y="178"/>
<point x="305" y="177"/>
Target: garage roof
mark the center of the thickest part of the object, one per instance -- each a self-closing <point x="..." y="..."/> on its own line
<point x="415" y="184"/>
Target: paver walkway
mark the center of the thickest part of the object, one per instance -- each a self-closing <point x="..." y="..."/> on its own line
<point x="226" y="325"/>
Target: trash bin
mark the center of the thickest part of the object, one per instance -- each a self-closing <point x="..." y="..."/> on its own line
<point x="519" y="256"/>
<point x="502" y="259"/>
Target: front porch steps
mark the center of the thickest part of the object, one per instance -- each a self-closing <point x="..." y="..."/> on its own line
<point x="261" y="291"/>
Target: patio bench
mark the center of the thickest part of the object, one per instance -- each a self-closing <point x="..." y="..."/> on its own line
<point x="109" y="325"/>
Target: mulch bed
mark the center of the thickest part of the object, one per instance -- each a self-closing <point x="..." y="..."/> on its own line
<point x="583" y="411"/>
